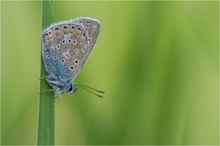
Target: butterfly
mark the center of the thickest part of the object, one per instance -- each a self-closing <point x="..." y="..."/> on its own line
<point x="66" y="46"/>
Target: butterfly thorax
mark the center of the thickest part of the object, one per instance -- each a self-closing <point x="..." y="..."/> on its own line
<point x="60" y="85"/>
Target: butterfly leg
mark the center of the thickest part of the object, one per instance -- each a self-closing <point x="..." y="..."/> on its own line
<point x="57" y="98"/>
<point x="45" y="91"/>
<point x="43" y="77"/>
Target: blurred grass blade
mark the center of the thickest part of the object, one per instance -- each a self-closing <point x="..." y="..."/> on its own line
<point x="46" y="101"/>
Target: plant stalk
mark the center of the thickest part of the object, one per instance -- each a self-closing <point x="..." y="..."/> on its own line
<point x="46" y="113"/>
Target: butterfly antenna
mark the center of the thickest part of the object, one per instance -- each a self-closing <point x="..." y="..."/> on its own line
<point x="85" y="87"/>
<point x="91" y="88"/>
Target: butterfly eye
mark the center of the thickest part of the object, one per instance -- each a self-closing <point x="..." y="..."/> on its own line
<point x="70" y="89"/>
<point x="69" y="41"/>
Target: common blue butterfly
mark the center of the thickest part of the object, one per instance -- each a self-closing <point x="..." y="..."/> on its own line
<point x="66" y="46"/>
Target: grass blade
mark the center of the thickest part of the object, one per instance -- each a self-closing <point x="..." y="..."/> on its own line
<point x="46" y="100"/>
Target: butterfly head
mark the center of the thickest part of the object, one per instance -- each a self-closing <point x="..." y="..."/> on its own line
<point x="71" y="88"/>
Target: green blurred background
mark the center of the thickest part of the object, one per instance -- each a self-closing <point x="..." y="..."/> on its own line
<point x="157" y="62"/>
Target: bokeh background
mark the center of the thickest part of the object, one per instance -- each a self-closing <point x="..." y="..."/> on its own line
<point x="157" y="62"/>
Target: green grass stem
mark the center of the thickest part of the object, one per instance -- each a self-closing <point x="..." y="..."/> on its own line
<point x="46" y="102"/>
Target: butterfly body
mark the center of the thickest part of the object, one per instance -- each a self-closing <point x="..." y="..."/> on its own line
<point x="66" y="46"/>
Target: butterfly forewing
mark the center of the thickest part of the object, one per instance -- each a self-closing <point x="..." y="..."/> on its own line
<point x="66" y="46"/>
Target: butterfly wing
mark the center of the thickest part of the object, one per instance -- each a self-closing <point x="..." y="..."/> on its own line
<point x="59" y="42"/>
<point x="92" y="27"/>
<point x="67" y="45"/>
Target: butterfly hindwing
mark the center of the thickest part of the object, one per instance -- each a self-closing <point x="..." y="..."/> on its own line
<point x="92" y="27"/>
